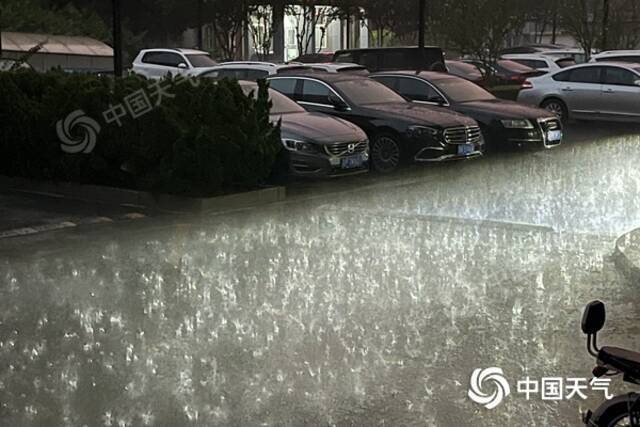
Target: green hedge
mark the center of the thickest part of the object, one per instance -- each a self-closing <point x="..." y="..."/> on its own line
<point x="207" y="139"/>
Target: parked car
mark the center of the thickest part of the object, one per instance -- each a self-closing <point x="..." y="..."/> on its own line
<point x="467" y="71"/>
<point x="632" y="56"/>
<point x="158" y="63"/>
<point x="503" y="123"/>
<point x="505" y="72"/>
<point x="578" y="55"/>
<point x="532" y="48"/>
<point x="541" y="62"/>
<point x="314" y="58"/>
<point x="316" y="145"/>
<point x="399" y="131"/>
<point x="249" y="70"/>
<point x="394" y="58"/>
<point x="332" y="67"/>
<point x="601" y="91"/>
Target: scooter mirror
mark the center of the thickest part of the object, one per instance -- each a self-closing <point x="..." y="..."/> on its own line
<point x="593" y="318"/>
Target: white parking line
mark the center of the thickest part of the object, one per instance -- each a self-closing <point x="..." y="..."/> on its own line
<point x="26" y="231"/>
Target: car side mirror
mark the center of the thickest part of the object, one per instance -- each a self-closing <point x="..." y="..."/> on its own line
<point x="337" y="102"/>
<point x="182" y="66"/>
<point x="593" y="318"/>
<point x="637" y="83"/>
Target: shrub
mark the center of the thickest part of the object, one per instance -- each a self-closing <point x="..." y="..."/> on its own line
<point x="205" y="139"/>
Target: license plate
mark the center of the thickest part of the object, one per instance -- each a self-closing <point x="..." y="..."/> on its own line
<point x="351" y="162"/>
<point x="465" y="149"/>
<point x="554" y="135"/>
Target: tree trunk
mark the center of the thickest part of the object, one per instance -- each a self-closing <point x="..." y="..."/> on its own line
<point x="117" y="39"/>
<point x="606" y="8"/>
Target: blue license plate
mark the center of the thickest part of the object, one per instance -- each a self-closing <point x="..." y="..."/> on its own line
<point x="554" y="135"/>
<point x="352" y="162"/>
<point x="465" y="149"/>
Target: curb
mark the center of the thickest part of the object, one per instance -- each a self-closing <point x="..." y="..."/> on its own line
<point x="141" y="199"/>
<point x="621" y="259"/>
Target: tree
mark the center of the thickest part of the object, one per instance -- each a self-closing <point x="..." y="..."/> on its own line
<point x="494" y="24"/>
<point x="581" y="19"/>
<point x="228" y="19"/>
<point x="261" y="29"/>
<point x="308" y="17"/>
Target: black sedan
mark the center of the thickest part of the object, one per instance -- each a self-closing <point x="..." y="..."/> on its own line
<point x="504" y="123"/>
<point x="316" y="145"/>
<point x="399" y="131"/>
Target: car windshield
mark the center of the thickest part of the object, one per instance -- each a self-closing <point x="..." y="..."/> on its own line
<point x="201" y="60"/>
<point x="280" y="103"/>
<point x="368" y="92"/>
<point x="460" y="90"/>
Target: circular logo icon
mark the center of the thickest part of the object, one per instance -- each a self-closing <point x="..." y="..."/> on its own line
<point x="78" y="133"/>
<point x="490" y="377"/>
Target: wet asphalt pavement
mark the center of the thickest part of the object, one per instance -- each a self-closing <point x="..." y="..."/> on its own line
<point x="361" y="302"/>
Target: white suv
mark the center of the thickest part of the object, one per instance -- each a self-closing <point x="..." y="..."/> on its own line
<point x="541" y="62"/>
<point x="157" y="63"/>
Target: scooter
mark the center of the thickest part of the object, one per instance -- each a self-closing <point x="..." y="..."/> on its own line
<point x="621" y="411"/>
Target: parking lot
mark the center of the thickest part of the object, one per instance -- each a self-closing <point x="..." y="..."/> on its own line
<point x="365" y="301"/>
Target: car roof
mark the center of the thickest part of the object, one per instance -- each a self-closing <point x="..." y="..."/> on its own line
<point x="180" y="50"/>
<point x="628" y="65"/>
<point x="324" y="77"/>
<point x="367" y="49"/>
<point x="536" y="56"/>
<point x="429" y="75"/>
<point x="617" y="53"/>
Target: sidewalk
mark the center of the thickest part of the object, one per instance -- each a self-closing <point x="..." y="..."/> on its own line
<point x="627" y="254"/>
<point x="25" y="214"/>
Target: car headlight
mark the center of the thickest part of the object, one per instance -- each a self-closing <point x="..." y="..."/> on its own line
<point x="423" y="132"/>
<point x="517" y="124"/>
<point x="296" y="145"/>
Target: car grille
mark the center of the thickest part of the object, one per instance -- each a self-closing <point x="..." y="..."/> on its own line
<point x="346" y="148"/>
<point x="463" y="135"/>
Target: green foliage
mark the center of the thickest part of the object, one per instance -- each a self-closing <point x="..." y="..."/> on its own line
<point x="206" y="139"/>
<point x="38" y="17"/>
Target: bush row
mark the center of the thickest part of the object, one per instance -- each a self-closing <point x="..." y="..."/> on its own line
<point x="196" y="139"/>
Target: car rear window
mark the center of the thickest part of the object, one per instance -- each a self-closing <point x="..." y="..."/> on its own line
<point x="566" y="62"/>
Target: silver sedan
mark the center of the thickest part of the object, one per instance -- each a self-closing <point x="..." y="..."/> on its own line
<point x="602" y="91"/>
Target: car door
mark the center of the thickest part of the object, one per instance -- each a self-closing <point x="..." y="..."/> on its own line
<point x="582" y="91"/>
<point x="620" y="94"/>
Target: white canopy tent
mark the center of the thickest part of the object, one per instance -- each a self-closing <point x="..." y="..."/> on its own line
<point x="71" y="53"/>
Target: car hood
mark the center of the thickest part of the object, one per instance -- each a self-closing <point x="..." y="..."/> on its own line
<point x="497" y="109"/>
<point x="318" y="127"/>
<point x="422" y="114"/>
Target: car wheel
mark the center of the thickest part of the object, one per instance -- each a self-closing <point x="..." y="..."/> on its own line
<point x="385" y="154"/>
<point x="557" y="107"/>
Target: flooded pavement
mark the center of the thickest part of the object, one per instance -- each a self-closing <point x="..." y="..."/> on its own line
<point x="370" y="306"/>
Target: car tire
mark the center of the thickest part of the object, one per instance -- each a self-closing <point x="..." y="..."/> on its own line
<point x="558" y="107"/>
<point x="385" y="153"/>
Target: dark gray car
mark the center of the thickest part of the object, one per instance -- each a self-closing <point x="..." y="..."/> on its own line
<point x="316" y="145"/>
